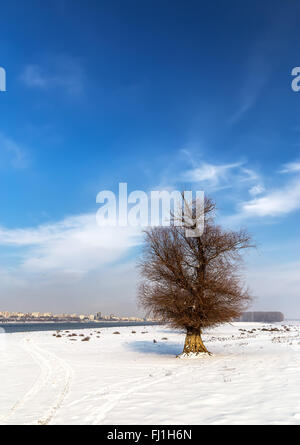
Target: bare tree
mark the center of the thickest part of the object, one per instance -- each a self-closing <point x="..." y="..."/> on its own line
<point x="193" y="283"/>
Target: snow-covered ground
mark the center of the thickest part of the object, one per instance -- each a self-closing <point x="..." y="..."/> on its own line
<point x="251" y="378"/>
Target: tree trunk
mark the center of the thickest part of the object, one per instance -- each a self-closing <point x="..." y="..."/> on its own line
<point x="194" y="344"/>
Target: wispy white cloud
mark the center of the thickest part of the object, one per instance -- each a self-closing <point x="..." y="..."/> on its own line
<point x="263" y="58"/>
<point x="219" y="175"/>
<point x="291" y="167"/>
<point x="244" y="181"/>
<point x="33" y="76"/>
<point x="63" y="73"/>
<point x="208" y="173"/>
<point x="257" y="72"/>
<point x="12" y="153"/>
<point x="276" y="202"/>
<point x="76" y="244"/>
<point x="256" y="190"/>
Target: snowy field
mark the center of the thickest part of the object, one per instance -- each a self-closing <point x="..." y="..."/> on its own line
<point x="252" y="377"/>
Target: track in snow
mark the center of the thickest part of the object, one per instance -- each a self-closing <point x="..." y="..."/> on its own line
<point x="52" y="385"/>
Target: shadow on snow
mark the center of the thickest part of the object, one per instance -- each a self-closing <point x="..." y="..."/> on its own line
<point x="160" y="348"/>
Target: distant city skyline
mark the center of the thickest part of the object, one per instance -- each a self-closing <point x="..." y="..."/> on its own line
<point x="6" y="316"/>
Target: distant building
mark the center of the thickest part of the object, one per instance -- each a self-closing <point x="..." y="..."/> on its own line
<point x="113" y="317"/>
<point x="36" y="314"/>
<point x="98" y="316"/>
<point x="264" y="317"/>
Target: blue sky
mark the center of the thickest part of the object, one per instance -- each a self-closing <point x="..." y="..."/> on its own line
<point x="157" y="94"/>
